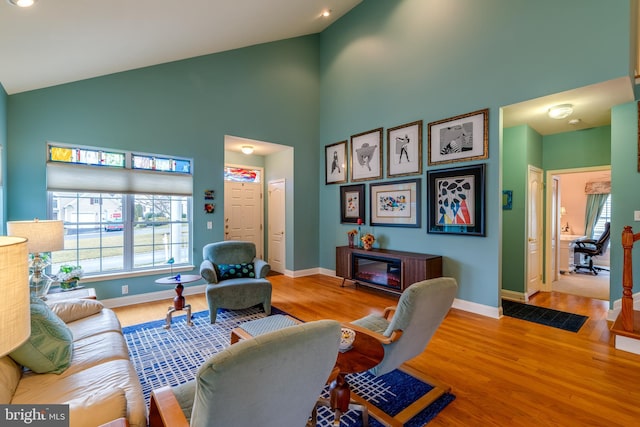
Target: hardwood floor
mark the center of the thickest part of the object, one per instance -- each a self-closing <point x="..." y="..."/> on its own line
<point x="504" y="372"/>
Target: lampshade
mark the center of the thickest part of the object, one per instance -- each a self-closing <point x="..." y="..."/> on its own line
<point x="15" y="320"/>
<point x="42" y="236"/>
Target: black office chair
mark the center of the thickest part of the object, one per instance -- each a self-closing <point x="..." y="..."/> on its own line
<point x="591" y="248"/>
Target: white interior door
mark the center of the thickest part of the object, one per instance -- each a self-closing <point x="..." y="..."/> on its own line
<point x="243" y="213"/>
<point x="277" y="225"/>
<point x="534" y="230"/>
<point x="555" y="228"/>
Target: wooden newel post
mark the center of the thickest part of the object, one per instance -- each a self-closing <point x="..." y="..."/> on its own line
<point x="627" y="278"/>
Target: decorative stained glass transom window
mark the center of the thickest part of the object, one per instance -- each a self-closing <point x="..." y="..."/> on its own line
<point x="86" y="156"/>
<point x="165" y="164"/>
<point x="242" y="175"/>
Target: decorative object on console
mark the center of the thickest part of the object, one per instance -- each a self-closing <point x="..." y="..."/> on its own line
<point x="351" y="203"/>
<point x="42" y="236"/>
<point x="15" y="324"/>
<point x="460" y="138"/>
<point x="366" y="155"/>
<point x="456" y="200"/>
<point x="68" y="276"/>
<point x="404" y="149"/>
<point x="367" y="241"/>
<point x="351" y="234"/>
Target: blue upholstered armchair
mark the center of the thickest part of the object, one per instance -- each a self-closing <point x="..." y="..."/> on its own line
<point x="272" y="380"/>
<point x="235" y="277"/>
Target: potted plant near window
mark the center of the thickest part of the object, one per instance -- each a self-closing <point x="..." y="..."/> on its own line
<point x="68" y="276"/>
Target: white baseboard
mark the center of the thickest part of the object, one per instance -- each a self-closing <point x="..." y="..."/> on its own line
<point x="627" y="344"/>
<point x="513" y="295"/>
<point x="612" y="314"/>
<point x="481" y="309"/>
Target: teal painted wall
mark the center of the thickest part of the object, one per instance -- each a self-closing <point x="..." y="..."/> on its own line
<point x="625" y="181"/>
<point x="579" y="149"/>
<point x="388" y="63"/>
<point x="267" y="92"/>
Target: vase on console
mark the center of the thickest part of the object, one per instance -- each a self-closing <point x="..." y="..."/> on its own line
<point x="367" y="241"/>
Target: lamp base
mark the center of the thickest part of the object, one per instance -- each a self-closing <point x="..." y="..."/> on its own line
<point x="39" y="285"/>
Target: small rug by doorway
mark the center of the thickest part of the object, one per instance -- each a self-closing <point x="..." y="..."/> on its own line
<point x="544" y="316"/>
<point x="171" y="357"/>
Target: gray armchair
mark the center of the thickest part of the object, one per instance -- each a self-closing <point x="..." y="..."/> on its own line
<point x="405" y="330"/>
<point x="235" y="277"/>
<point x="272" y="380"/>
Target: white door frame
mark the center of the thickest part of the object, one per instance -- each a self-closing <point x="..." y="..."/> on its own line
<point x="270" y="251"/>
<point x="547" y="285"/>
<point x="540" y="232"/>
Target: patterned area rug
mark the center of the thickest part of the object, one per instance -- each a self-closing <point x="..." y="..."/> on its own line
<point x="171" y="357"/>
<point x="544" y="316"/>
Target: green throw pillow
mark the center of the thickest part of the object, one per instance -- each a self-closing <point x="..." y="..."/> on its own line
<point x="234" y="271"/>
<point x="50" y="346"/>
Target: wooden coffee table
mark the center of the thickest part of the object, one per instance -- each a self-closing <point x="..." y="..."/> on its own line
<point x="179" y="302"/>
<point x="365" y="353"/>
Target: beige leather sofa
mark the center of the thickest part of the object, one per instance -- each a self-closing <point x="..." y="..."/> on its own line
<point x="100" y="384"/>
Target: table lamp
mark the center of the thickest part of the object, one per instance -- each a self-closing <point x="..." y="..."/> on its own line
<point x="42" y="236"/>
<point x="15" y="319"/>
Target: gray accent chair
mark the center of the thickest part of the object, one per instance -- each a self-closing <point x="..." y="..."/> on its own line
<point x="406" y="329"/>
<point x="271" y="380"/>
<point x="234" y="293"/>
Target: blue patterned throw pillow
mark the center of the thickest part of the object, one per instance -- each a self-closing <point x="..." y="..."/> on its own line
<point x="235" y="271"/>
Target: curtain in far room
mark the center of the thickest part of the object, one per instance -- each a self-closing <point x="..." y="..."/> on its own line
<point x="597" y="194"/>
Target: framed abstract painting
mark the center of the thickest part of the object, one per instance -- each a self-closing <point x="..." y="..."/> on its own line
<point x="457" y="200"/>
<point x="335" y="164"/>
<point x="366" y="155"/>
<point x="458" y="139"/>
<point x="352" y="203"/>
<point x="404" y="149"/>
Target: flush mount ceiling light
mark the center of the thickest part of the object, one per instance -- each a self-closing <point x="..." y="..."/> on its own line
<point x="326" y="13"/>
<point x="247" y="149"/>
<point x="560" y="111"/>
<point x="22" y="3"/>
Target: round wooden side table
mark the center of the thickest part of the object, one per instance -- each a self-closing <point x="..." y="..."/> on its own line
<point x="179" y="302"/>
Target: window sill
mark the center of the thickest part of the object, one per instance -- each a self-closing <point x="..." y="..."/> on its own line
<point x="137" y="273"/>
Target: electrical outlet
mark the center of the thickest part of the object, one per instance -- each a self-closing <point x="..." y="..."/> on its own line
<point x="209" y="225"/>
<point x="636" y="215"/>
<point x="125" y="289"/>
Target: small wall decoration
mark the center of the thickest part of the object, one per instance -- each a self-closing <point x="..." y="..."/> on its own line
<point x="638" y="108"/>
<point x="507" y="200"/>
<point x="456" y="200"/>
<point x="366" y="155"/>
<point x="335" y="163"/>
<point x="209" y="208"/>
<point x="404" y="149"/>
<point x="352" y="203"/>
<point x="460" y="138"/>
<point x="209" y="194"/>
<point x="396" y="204"/>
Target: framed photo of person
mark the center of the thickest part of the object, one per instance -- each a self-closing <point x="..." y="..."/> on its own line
<point x="404" y="149"/>
<point x="458" y="139"/>
<point x="335" y="163"/>
<point x="366" y="155"/>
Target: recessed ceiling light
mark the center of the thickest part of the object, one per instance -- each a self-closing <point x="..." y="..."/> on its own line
<point x="22" y="3"/>
<point x="560" y="111"/>
<point x="326" y="13"/>
<point x="574" y="121"/>
<point x="247" y="149"/>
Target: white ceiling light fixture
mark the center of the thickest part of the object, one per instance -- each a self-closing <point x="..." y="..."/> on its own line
<point x="326" y="13"/>
<point x="22" y="3"/>
<point x="247" y="149"/>
<point x="560" y="111"/>
<point x="574" y="121"/>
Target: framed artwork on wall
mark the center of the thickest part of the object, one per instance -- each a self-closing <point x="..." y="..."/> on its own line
<point x="404" y="149"/>
<point x="457" y="200"/>
<point x="352" y="201"/>
<point x="396" y="203"/>
<point x="460" y="138"/>
<point x="335" y="163"/>
<point x="366" y="155"/>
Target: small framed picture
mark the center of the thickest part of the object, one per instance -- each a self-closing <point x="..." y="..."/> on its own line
<point x="209" y="208"/>
<point x="209" y="194"/>
<point x="352" y="203"/>
<point x="456" y="200"/>
<point x="460" y="138"/>
<point x="335" y="163"/>
<point x="404" y="149"/>
<point x="366" y="155"/>
<point x="396" y="203"/>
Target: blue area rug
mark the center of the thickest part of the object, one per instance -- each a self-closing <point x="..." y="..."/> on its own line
<point x="544" y="316"/>
<point x="171" y="357"/>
